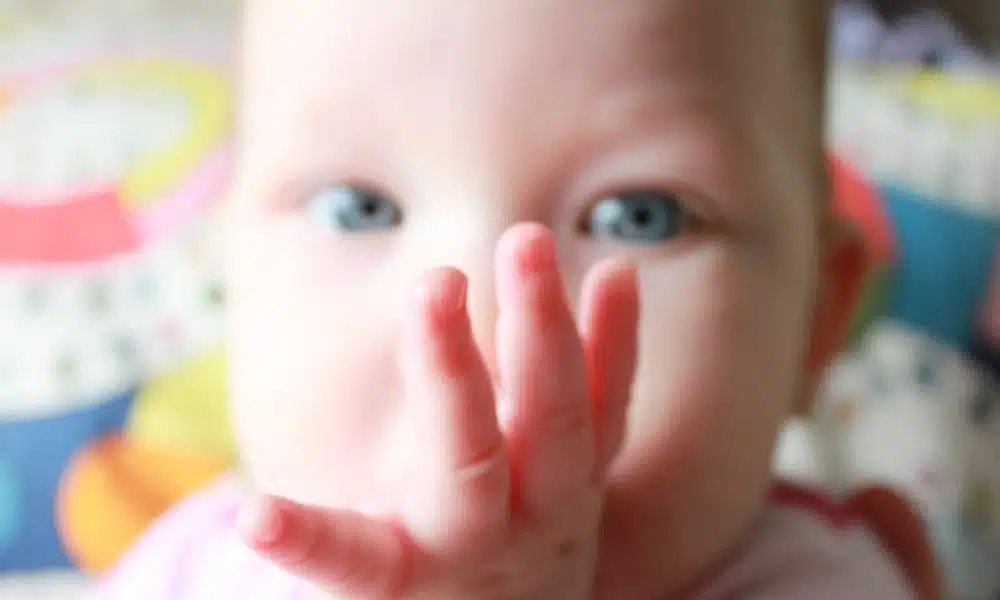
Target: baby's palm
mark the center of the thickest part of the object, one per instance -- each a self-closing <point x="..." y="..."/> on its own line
<point x="492" y="512"/>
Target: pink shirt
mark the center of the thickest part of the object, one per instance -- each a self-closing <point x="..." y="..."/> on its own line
<point x="798" y="550"/>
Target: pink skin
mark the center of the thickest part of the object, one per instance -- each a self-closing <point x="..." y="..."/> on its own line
<point x="516" y="497"/>
<point x="349" y="395"/>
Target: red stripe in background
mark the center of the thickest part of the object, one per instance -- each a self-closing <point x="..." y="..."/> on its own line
<point x="837" y="514"/>
<point x="858" y="200"/>
<point x="87" y="228"/>
<point x="992" y="316"/>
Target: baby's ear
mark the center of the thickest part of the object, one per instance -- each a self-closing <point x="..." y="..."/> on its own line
<point x="845" y="264"/>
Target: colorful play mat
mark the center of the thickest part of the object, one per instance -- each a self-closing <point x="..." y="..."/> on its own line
<point x="114" y="154"/>
<point x="932" y="142"/>
<point x="917" y="401"/>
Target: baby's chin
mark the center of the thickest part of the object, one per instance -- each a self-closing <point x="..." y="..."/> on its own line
<point x="671" y="522"/>
<point x="315" y="471"/>
<point x="347" y="491"/>
<point x="651" y="552"/>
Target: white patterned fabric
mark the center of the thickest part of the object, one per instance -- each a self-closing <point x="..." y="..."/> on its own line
<point x="917" y="415"/>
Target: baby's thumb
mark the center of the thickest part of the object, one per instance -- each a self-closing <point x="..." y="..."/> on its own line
<point x="340" y="552"/>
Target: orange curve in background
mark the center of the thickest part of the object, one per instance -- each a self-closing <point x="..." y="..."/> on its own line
<point x="115" y="488"/>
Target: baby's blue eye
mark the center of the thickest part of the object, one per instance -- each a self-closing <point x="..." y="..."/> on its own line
<point x="353" y="209"/>
<point x="641" y="217"/>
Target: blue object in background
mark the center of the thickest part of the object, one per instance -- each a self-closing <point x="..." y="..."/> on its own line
<point x="33" y="455"/>
<point x="943" y="264"/>
<point x="10" y="507"/>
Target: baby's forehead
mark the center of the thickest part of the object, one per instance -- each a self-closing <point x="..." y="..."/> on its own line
<point x="422" y="34"/>
<point x="519" y="74"/>
<point x="396" y="46"/>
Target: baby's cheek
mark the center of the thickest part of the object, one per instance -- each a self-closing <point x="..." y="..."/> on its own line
<point x="717" y="351"/>
<point x="315" y="385"/>
<point x="720" y="356"/>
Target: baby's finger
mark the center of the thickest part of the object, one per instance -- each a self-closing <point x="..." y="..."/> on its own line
<point x="342" y="553"/>
<point x="542" y="373"/>
<point x="462" y="501"/>
<point x="609" y="320"/>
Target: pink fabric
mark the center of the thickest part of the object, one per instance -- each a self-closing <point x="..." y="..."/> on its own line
<point x="797" y="551"/>
<point x="193" y="553"/>
<point x="797" y="554"/>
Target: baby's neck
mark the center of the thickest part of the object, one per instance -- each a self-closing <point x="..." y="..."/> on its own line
<point x="642" y="560"/>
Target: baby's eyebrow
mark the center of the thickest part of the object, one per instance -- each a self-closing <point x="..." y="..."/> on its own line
<point x="664" y="138"/>
<point x="635" y="109"/>
<point x="646" y="111"/>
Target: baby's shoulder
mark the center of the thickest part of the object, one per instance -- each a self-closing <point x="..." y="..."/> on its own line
<point x="192" y="551"/>
<point x="808" y="545"/>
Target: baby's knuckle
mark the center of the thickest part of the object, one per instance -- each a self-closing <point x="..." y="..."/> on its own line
<point x="481" y="463"/>
<point x="566" y="420"/>
<point x="354" y="567"/>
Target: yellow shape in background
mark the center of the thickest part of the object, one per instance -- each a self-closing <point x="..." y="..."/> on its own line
<point x="187" y="410"/>
<point x="209" y="98"/>
<point x="964" y="98"/>
<point x="8" y="22"/>
<point x="178" y="438"/>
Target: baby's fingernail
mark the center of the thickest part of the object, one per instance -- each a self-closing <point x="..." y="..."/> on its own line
<point x="537" y="255"/>
<point x="261" y="522"/>
<point x="444" y="293"/>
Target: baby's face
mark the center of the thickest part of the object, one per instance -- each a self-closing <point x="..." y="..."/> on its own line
<point x="381" y="139"/>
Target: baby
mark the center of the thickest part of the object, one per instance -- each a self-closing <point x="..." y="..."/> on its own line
<point x="444" y="386"/>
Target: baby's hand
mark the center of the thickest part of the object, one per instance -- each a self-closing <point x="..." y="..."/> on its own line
<point x="494" y="512"/>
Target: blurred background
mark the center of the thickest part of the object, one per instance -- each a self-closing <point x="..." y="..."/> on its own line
<point x="114" y="154"/>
